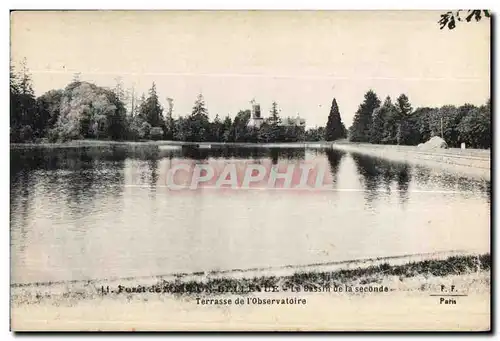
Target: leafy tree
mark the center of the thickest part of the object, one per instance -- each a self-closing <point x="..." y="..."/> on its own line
<point x="335" y="129"/>
<point x="475" y="128"/>
<point x="315" y="134"/>
<point x="26" y="133"/>
<point x="290" y="132"/>
<point x="264" y="133"/>
<point x="361" y="126"/>
<point x="89" y="111"/>
<point x="145" y="130"/>
<point x="76" y="120"/>
<point x="446" y="121"/>
<point x="217" y="129"/>
<point x="423" y="117"/>
<point x="408" y="132"/>
<point x="414" y="129"/>
<point x="391" y="127"/>
<point x="252" y="135"/>
<point x="116" y="118"/>
<point x="48" y="106"/>
<point x="227" y="135"/>
<point x="182" y="130"/>
<point x="464" y="110"/>
<point x="138" y="128"/>
<point x="240" y="126"/>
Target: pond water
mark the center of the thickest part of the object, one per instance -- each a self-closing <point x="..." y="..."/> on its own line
<point x="97" y="213"/>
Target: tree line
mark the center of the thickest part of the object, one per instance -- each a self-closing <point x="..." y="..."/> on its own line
<point x="397" y="123"/>
<point x="83" y="110"/>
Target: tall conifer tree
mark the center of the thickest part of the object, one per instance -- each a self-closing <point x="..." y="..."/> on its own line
<point x="335" y="129"/>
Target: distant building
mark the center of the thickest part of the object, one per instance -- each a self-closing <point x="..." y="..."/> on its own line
<point x="294" y="121"/>
<point x="255" y="119"/>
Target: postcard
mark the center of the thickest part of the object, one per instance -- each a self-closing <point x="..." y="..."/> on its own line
<point x="250" y="170"/>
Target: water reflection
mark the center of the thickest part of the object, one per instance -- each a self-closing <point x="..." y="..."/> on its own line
<point x="194" y="153"/>
<point x="21" y="201"/>
<point x="77" y="176"/>
<point x="427" y="177"/>
<point x="153" y="168"/>
<point x="377" y="176"/>
<point x="334" y="157"/>
<point x="403" y="182"/>
<point x="228" y="152"/>
<point x="82" y="213"/>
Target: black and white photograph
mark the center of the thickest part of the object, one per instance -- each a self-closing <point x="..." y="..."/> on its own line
<point x="250" y="170"/>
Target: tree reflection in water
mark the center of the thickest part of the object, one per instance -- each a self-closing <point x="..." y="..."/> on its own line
<point x="378" y="175"/>
<point x="334" y="157"/>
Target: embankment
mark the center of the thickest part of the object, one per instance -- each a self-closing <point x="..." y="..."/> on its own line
<point x="364" y="271"/>
<point x="106" y="143"/>
<point x="472" y="162"/>
<point x="384" y="296"/>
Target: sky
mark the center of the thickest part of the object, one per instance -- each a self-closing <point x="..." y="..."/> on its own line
<point x="300" y="59"/>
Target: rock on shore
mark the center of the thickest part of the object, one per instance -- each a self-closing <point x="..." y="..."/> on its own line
<point x="434" y="142"/>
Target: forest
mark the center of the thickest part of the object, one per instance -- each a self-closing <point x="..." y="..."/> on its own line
<point x="83" y="110"/>
<point x="398" y="124"/>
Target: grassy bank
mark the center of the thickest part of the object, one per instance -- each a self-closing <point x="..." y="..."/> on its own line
<point x="410" y="302"/>
<point x="472" y="270"/>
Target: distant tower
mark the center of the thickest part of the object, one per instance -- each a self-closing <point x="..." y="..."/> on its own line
<point x="170" y="107"/>
<point x="255" y="109"/>
<point x="255" y="119"/>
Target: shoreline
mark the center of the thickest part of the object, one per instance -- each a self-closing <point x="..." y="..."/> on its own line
<point x="471" y="162"/>
<point x="382" y="298"/>
<point x="433" y="264"/>
<point x="105" y="143"/>
<point x="378" y="149"/>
